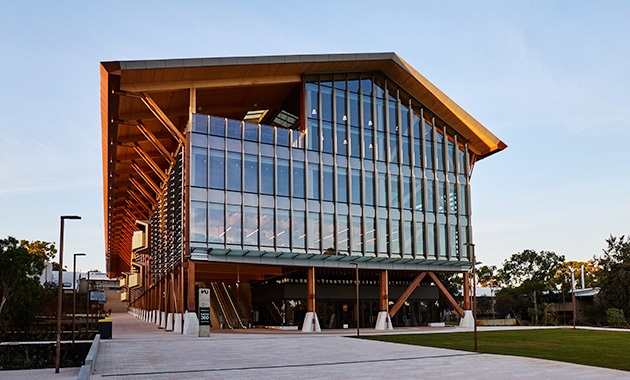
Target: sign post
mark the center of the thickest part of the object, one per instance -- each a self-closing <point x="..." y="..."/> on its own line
<point x="204" y="312"/>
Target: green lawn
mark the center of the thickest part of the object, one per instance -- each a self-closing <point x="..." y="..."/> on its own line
<point x="596" y="348"/>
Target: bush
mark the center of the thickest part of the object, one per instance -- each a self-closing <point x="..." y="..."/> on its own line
<point x="615" y="318"/>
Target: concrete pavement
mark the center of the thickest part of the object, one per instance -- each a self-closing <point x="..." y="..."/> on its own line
<point x="140" y="350"/>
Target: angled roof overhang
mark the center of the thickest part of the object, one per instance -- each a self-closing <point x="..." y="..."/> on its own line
<point x="139" y="144"/>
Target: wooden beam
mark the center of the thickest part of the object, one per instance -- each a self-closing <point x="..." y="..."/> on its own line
<point x="142" y="190"/>
<point x="155" y="141"/>
<point x="152" y="164"/>
<point x="466" y="286"/>
<point x="310" y="285"/>
<point x="410" y="289"/>
<point x="211" y="83"/>
<point x="138" y="200"/>
<point x="384" y="291"/>
<point x="146" y="178"/>
<point x="190" y="291"/>
<point x="446" y="294"/>
<point x="162" y="117"/>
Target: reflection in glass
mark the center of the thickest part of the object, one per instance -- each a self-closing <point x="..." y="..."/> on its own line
<point x="328" y="240"/>
<point x="199" y="167"/>
<point x="250" y="226"/>
<point x="298" y="179"/>
<point x="395" y="240"/>
<point x="234" y="171"/>
<point x="342" y="185"/>
<point x="342" y="234"/>
<point x="357" y="236"/>
<point x="419" y="240"/>
<point x="234" y="129"/>
<point x="380" y="146"/>
<point x="382" y="189"/>
<point x="198" y="221"/>
<point x="314" y="241"/>
<point x="282" y="188"/>
<point x="216" y="168"/>
<point x="370" y="237"/>
<point x="233" y="233"/>
<point x="267" y="233"/>
<point x="383" y="237"/>
<point x="369" y="188"/>
<point x="217" y="126"/>
<point x="299" y="232"/>
<point x="327" y="182"/>
<point x="419" y="200"/>
<point x="342" y="139"/>
<point x="283" y="229"/>
<point x="355" y="142"/>
<point x="216" y="213"/>
<point x="356" y="186"/>
<point x="368" y="142"/>
<point x="327" y="140"/>
<point x="313" y="134"/>
<point x="313" y="180"/>
<point x="407" y="192"/>
<point x="266" y="175"/>
<point x="394" y="190"/>
<point x="251" y="174"/>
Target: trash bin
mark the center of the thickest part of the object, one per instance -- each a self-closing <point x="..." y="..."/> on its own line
<point x="105" y="328"/>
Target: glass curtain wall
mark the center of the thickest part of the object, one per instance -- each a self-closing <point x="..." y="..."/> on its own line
<point x="374" y="173"/>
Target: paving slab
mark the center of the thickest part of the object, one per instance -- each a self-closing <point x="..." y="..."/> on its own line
<point x="140" y="350"/>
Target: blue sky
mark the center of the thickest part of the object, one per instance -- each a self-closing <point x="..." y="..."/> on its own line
<point x="550" y="78"/>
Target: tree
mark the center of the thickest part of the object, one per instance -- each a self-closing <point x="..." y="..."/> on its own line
<point x="614" y="276"/>
<point x="488" y="276"/>
<point x="21" y="264"/>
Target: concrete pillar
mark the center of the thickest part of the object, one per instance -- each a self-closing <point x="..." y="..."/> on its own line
<point x="177" y="324"/>
<point x="169" y="322"/>
<point x="191" y="324"/>
<point x="383" y="320"/>
<point x="311" y="322"/>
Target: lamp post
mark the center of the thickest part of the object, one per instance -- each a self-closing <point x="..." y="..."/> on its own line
<point x="60" y="290"/>
<point x="74" y="292"/>
<point x="356" y="267"/>
<point x="474" y="276"/>
<point x="87" y="312"/>
<point x="573" y="294"/>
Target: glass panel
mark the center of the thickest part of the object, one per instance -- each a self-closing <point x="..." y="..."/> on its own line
<point x="443" y="235"/>
<point x="342" y="139"/>
<point x="407" y="239"/>
<point x="354" y="109"/>
<point x="356" y="186"/>
<point x="440" y="151"/>
<point x="407" y="192"/>
<point x="298" y="179"/>
<point x="327" y="140"/>
<point x="266" y="134"/>
<point x="380" y="115"/>
<point x="312" y="102"/>
<point x="393" y="116"/>
<point x="216" y="231"/>
<point x="369" y="188"/>
<point x="419" y="198"/>
<point x="282" y="237"/>
<point x="234" y="129"/>
<point x="266" y="175"/>
<point x="198" y="222"/>
<point x="462" y="199"/>
<point x="282" y="136"/>
<point x="355" y="142"/>
<point x="267" y="233"/>
<point x="419" y="239"/>
<point x="383" y="240"/>
<point x="199" y="167"/>
<point x="404" y="120"/>
<point x="299" y="232"/>
<point x="217" y="126"/>
<point x="328" y="242"/>
<point x="429" y="146"/>
<point x="342" y="234"/>
<point x="452" y="199"/>
<point x="406" y="154"/>
<point x="297" y="139"/>
<point x="251" y="132"/>
<point x="462" y="161"/>
<point x="357" y="241"/>
<point x="342" y="185"/>
<point x="393" y="148"/>
<point x="370" y="236"/>
<point x="451" y="154"/>
<point x="328" y="183"/>
<point x="313" y="134"/>
<point x="368" y="143"/>
<point x="442" y="197"/>
<point x="454" y="241"/>
<point x="382" y="190"/>
<point x="313" y="232"/>
<point x="233" y="233"/>
<point x="250" y="226"/>
<point x="430" y="199"/>
<point x="342" y="115"/>
<point x="234" y="171"/>
<point x="368" y="119"/>
<point x="417" y="151"/>
<point x="431" y="240"/>
<point x="216" y="168"/>
<point x="394" y="190"/>
<point x="200" y="123"/>
<point x="395" y="240"/>
<point x="327" y="100"/>
<point x="282" y="188"/>
<point x="251" y="174"/>
<point x="313" y="180"/>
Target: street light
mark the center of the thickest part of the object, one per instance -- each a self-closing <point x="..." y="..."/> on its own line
<point x="74" y="292"/>
<point x="356" y="266"/>
<point x="60" y="290"/>
<point x="87" y="315"/>
<point x="573" y="294"/>
<point x="474" y="276"/>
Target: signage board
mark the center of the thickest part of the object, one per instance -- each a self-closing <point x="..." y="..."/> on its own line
<point x="204" y="312"/>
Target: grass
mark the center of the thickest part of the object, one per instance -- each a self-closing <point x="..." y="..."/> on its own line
<point x="606" y="349"/>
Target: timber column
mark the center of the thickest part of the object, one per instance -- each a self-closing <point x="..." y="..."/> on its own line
<point x="384" y="321"/>
<point x="311" y="323"/>
<point x="191" y="321"/>
<point x="467" y="320"/>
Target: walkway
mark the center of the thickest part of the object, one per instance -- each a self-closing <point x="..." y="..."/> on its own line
<point x="139" y="350"/>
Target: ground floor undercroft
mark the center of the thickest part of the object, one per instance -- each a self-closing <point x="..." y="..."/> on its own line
<point x="256" y="295"/>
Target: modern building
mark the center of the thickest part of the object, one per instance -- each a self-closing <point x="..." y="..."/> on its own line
<point x="274" y="181"/>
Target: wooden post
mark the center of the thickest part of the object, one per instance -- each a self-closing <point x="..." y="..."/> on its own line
<point x="190" y="293"/>
<point x="410" y="289"/>
<point x="310" y="285"/>
<point x="466" y="286"/>
<point x="384" y="292"/>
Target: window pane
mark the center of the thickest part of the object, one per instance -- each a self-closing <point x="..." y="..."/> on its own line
<point x="430" y="198"/>
<point x="234" y="129"/>
<point x="342" y="234"/>
<point x="407" y="239"/>
<point x="383" y="237"/>
<point x="251" y="132"/>
<point x="429" y="146"/>
<point x="342" y="139"/>
<point x="420" y="240"/>
<point x="251" y="173"/>
<point x="198" y="222"/>
<point x="312" y="102"/>
<point x="368" y="119"/>
<point x="443" y="235"/>
<point x="395" y="240"/>
<point x="217" y="126"/>
<point x="405" y="150"/>
<point x="282" y="237"/>
<point x="356" y="186"/>
<point x="327" y="134"/>
<point x="419" y="199"/>
<point x="328" y="241"/>
<point x="380" y="145"/>
<point x="370" y="237"/>
<point x="355" y="142"/>
<point x="282" y="136"/>
<point x="462" y="199"/>
<point x="394" y="189"/>
<point x="417" y="148"/>
<point x="369" y="188"/>
<point x="233" y="233"/>
<point x="327" y="99"/>
<point x="234" y="171"/>
<point x="266" y="227"/>
<point x="216" y="213"/>
<point x="454" y="241"/>
<point x="283" y="178"/>
<point x="299" y="232"/>
<point x="200" y="123"/>
<point x="380" y="115"/>
<point x="407" y="192"/>
<point x="452" y="199"/>
<point x="266" y="175"/>
<point x="199" y="167"/>
<point x="217" y="169"/>
<point x="368" y="144"/>
<point x="342" y="185"/>
<point x="442" y="197"/>
<point x="342" y="115"/>
<point x="354" y="109"/>
<point x="451" y="153"/>
<point x="266" y="134"/>
<point x="313" y="232"/>
<point x="328" y="183"/>
<point x="298" y="179"/>
<point x="313" y="180"/>
<point x="439" y="145"/>
<point x="431" y="240"/>
<point x="393" y="148"/>
<point x="357" y="237"/>
<point x="250" y="226"/>
<point x="313" y="134"/>
<point x="382" y="190"/>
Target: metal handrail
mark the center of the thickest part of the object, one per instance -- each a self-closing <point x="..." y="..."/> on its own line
<point x="238" y="317"/>
<point x="216" y="294"/>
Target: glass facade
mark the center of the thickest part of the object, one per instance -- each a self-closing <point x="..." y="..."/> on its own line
<point x="373" y="173"/>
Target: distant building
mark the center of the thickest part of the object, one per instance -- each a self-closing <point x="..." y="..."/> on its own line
<point x="267" y="179"/>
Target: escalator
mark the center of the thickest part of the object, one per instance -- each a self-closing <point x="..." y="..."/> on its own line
<point x="224" y="308"/>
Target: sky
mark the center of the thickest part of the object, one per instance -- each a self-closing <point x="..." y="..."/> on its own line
<point x="550" y="78"/>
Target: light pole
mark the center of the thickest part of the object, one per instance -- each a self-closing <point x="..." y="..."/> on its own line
<point x="474" y="276"/>
<point x="74" y="292"/>
<point x="356" y="266"/>
<point x="60" y="290"/>
<point x="573" y="294"/>
<point x="87" y="312"/>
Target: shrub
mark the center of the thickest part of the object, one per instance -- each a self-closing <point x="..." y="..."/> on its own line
<point x="615" y="318"/>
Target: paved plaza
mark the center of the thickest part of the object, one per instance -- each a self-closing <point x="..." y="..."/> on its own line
<point x="140" y="350"/>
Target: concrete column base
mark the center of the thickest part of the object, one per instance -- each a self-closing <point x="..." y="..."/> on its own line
<point x="169" y="322"/>
<point x="156" y="317"/>
<point x="383" y="321"/>
<point x="311" y="323"/>
<point x="191" y="324"/>
<point x="467" y="320"/>
<point x="162" y="323"/>
<point x="177" y="324"/>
